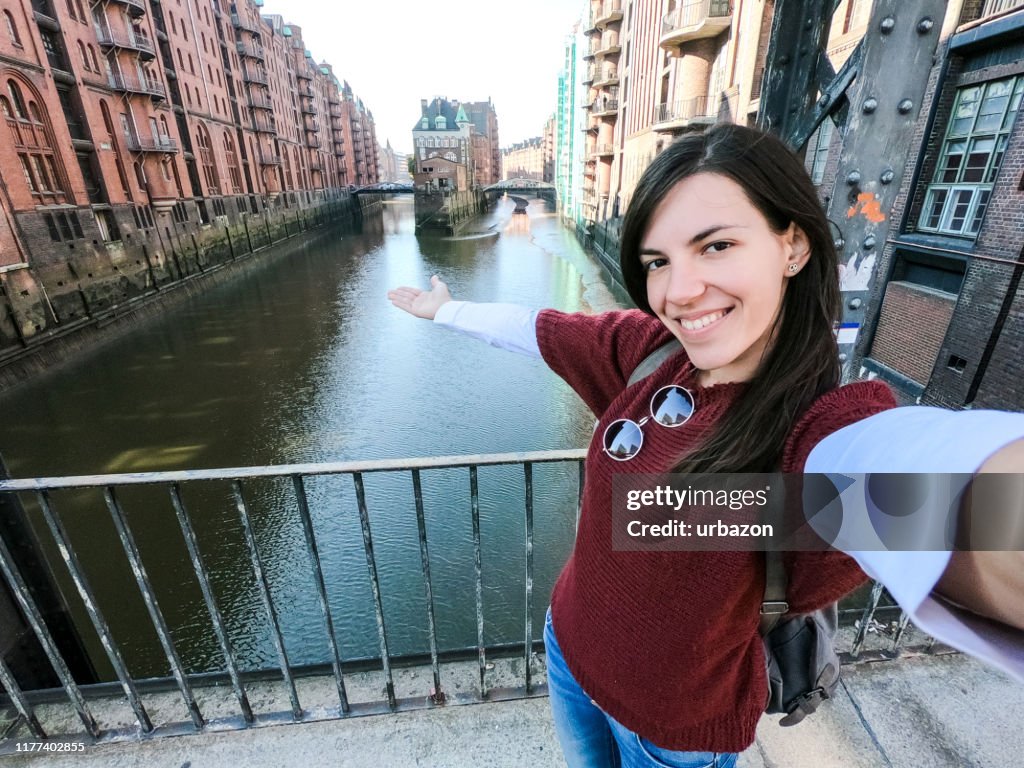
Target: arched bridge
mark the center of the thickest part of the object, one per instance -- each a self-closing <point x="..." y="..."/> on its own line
<point x="526" y="187"/>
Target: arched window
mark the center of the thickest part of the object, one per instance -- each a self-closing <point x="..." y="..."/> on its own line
<point x="34" y="143"/>
<point x="220" y="82"/>
<point x="174" y="27"/>
<point x="289" y="183"/>
<point x="81" y="11"/>
<point x="199" y="102"/>
<point x="191" y="64"/>
<point x="71" y="10"/>
<point x="95" y="61"/>
<point x="12" y="29"/>
<point x="85" y="56"/>
<point x="207" y="161"/>
<point x="440" y="122"/>
<point x="232" y="160"/>
<point x="181" y="60"/>
<point x="449" y="156"/>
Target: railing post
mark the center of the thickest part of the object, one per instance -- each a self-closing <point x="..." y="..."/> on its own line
<point x="528" y="472"/>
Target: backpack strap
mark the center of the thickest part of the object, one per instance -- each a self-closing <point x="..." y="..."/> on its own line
<point x="774" y="605"/>
<point x="653" y="361"/>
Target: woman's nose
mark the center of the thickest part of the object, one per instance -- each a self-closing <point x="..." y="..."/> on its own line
<point x="685" y="283"/>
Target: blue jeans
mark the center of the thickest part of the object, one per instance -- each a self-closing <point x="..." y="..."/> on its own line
<point x="592" y="739"/>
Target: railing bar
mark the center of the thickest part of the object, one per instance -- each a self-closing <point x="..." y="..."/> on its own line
<point x="35" y="619"/>
<point x="13" y="690"/>
<point x="321" y="589"/>
<point x="866" y="618"/>
<point x="211" y="604"/>
<point x="70" y="557"/>
<point x="163" y="632"/>
<point x="579" y="495"/>
<point x="474" y="496"/>
<point x="437" y="695"/>
<point x="326" y="468"/>
<point x="268" y="603"/>
<point x="371" y="564"/>
<point x="528" y="649"/>
<point x="901" y="628"/>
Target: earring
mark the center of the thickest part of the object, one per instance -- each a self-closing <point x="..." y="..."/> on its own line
<point x="793" y="267"/>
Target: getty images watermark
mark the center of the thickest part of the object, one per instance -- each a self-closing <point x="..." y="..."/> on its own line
<point x="815" y="512"/>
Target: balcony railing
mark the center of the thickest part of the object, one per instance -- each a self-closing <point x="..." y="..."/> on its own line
<point x="607" y="76"/>
<point x="258" y="101"/>
<point x="313" y="141"/>
<point x="308" y="109"/>
<point x="300" y="485"/>
<point x="267" y="124"/>
<point x="161" y="144"/>
<point x="268" y="159"/>
<point x="604" y="149"/>
<point x="131" y="41"/>
<point x="611" y="12"/>
<point x="303" y="73"/>
<point x="681" y="113"/>
<point x="1000" y="6"/>
<point x="609" y="45"/>
<point x="694" y="20"/>
<point x="240" y="22"/>
<point x="249" y="51"/>
<point x="260" y="78"/>
<point x="129" y="84"/>
<point x="135" y="7"/>
<point x="312" y="125"/>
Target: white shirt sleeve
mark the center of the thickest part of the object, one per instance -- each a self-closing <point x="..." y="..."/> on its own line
<point x="924" y="439"/>
<point x="506" y="326"/>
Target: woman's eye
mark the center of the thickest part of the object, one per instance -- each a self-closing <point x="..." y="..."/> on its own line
<point x="718" y="247"/>
<point x="653" y="264"/>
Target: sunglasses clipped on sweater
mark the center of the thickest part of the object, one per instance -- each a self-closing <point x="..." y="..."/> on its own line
<point x="671" y="406"/>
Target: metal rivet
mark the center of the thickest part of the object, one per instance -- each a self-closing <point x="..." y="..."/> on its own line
<point x="887" y="176"/>
<point x="853" y="177"/>
<point x="824" y="100"/>
<point x="887" y="25"/>
<point x="905" y="106"/>
<point x="924" y="26"/>
<point x="870" y="105"/>
<point x="839" y="243"/>
<point x="855" y="303"/>
<point x="869" y="242"/>
<point x="809" y="24"/>
<point x="842" y="357"/>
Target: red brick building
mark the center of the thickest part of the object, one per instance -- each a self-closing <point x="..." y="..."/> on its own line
<point x="138" y="136"/>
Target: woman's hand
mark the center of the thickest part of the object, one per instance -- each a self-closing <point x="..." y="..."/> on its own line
<point x="421" y="303"/>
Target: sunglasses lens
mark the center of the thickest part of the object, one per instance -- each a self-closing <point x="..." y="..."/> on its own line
<point x="622" y="439"/>
<point x="671" y="406"/>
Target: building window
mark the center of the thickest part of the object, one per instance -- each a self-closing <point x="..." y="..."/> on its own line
<point x="971" y="153"/>
<point x="34" y="144"/>
<point x="818" y="150"/>
<point x="12" y="29"/>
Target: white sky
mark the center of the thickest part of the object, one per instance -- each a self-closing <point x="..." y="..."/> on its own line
<point x="395" y="52"/>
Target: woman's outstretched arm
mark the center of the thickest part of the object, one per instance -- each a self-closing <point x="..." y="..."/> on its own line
<point x="506" y="326"/>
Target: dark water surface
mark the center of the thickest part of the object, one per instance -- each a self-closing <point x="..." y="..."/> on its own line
<point x="303" y="359"/>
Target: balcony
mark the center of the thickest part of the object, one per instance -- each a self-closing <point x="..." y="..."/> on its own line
<point x="313" y="142"/>
<point x="591" y="52"/>
<point x="308" y="109"/>
<point x="268" y="159"/>
<point x="695" y="20"/>
<point x="266" y="124"/>
<point x="136" y="8"/>
<point x="609" y="45"/>
<point x="993" y="7"/>
<point x="258" y="78"/>
<point x="127" y="41"/>
<point x="303" y="73"/>
<point x="611" y="13"/>
<point x="312" y="126"/>
<point x="608" y="76"/>
<point x="605" y="106"/>
<point x="250" y="51"/>
<point x="242" y="23"/>
<point x="604" y="150"/>
<point x="589" y="75"/>
<point x="316" y="164"/>
<point x="134" y="85"/>
<point x="681" y="114"/>
<point x="257" y="101"/>
<point x="162" y="144"/>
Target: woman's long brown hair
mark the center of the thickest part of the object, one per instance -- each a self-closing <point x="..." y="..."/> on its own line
<point x="803" y="360"/>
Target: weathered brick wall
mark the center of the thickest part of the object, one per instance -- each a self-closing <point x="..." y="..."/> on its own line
<point x="914" y="322"/>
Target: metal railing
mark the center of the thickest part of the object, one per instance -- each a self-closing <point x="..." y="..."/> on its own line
<point x="159" y="144"/>
<point x="1000" y="6"/>
<point x="249" y="51"/>
<point x="685" y="109"/>
<point x="131" y="40"/>
<point x="114" y="490"/>
<point x="130" y="84"/>
<point x="694" y="12"/>
<point x="268" y="159"/>
<point x="240" y="22"/>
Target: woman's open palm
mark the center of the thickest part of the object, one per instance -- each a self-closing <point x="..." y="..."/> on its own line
<point x="421" y="303"/>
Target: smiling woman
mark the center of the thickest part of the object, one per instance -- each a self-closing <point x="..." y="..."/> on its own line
<point x="655" y="658"/>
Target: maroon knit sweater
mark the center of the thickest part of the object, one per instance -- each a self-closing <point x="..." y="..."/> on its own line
<point x="667" y="642"/>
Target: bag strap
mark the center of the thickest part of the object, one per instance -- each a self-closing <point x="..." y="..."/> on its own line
<point x="774" y="605"/>
<point x="653" y="361"/>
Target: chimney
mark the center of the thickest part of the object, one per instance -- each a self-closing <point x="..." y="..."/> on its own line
<point x="423" y="106"/>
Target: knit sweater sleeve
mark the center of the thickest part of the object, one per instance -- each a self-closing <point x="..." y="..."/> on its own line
<point x="819" y="578"/>
<point x="596" y="354"/>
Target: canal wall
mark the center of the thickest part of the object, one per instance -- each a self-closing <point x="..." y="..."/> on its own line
<point x="65" y="301"/>
<point x="447" y="213"/>
<point x="602" y="240"/>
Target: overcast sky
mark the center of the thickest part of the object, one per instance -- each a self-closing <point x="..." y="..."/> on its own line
<point x="394" y="53"/>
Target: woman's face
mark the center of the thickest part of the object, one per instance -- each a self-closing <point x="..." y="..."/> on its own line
<point x="716" y="274"/>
